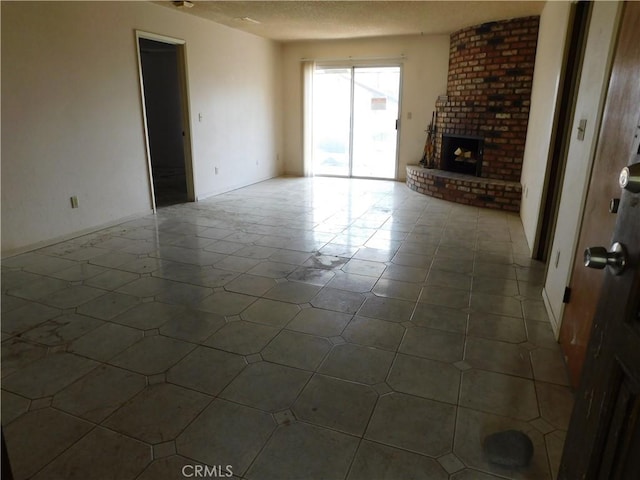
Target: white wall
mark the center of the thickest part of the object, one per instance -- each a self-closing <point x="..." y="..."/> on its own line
<point x="424" y="77"/>
<point x="589" y="104"/>
<point x="72" y="122"/>
<point x="544" y="95"/>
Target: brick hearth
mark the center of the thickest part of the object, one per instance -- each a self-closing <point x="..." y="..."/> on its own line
<point x="466" y="189"/>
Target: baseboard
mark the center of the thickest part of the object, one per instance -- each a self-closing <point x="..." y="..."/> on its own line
<point x="69" y="236"/>
<point x="233" y="187"/>
<point x="555" y="322"/>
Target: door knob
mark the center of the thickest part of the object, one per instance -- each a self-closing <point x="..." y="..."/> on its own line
<point x="630" y="178"/>
<point x="599" y="257"/>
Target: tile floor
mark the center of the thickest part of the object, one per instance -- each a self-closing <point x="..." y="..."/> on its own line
<point x="297" y="328"/>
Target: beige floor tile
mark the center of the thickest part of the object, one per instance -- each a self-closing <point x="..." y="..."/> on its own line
<point x="471" y="429"/>
<point x="100" y="454"/>
<point x="556" y="404"/>
<point x="317" y="321"/>
<point x="206" y="370"/>
<point x="159" y="413"/>
<point x="498" y="357"/>
<point x="440" y="318"/>
<point x="358" y="363"/>
<point x="497" y="327"/>
<point x="425" y="378"/>
<point x="390" y="309"/>
<point x="243" y="338"/>
<point x="193" y="326"/>
<point x="39" y="436"/>
<point x="226" y="431"/>
<point x="106" y="341"/>
<point x="312" y="452"/>
<point x="225" y="303"/>
<point x="48" y="375"/>
<point x="413" y="423"/>
<point x="27" y="316"/>
<point x="152" y="355"/>
<point x="12" y="407"/>
<point x="318" y="310"/>
<point x="270" y="312"/>
<point x="336" y="404"/>
<point x="62" y="329"/>
<point x="99" y="393"/>
<point x="499" y="394"/>
<point x="548" y="366"/>
<point x="267" y="386"/>
<point x="338" y="300"/>
<point x="387" y="463"/>
<point x="296" y="349"/>
<point x="293" y="292"/>
<point x="434" y="344"/>
<point x="374" y="333"/>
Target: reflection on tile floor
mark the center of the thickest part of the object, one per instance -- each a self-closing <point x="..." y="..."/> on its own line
<point x="296" y="328"/>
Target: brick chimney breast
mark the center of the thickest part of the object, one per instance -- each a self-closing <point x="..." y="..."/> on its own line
<point x="489" y="92"/>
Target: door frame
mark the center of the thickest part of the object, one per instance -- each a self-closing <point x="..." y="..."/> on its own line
<point x="561" y="134"/>
<point x="352" y="65"/>
<point x="579" y="162"/>
<point x="183" y="86"/>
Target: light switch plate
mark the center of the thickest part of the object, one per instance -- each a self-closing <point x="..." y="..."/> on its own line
<point x="582" y="126"/>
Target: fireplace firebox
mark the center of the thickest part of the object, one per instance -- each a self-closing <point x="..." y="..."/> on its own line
<point x="462" y="154"/>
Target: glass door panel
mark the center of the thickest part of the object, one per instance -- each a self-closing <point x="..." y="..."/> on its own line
<point x="331" y="121"/>
<point x="376" y="92"/>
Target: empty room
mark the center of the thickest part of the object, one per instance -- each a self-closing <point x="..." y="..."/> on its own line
<point x="320" y="240"/>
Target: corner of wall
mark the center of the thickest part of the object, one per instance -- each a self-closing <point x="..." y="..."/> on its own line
<point x="552" y="34"/>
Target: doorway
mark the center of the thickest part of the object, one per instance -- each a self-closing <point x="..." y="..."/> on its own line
<point x="563" y="123"/>
<point x="163" y="82"/>
<point x="355" y="120"/>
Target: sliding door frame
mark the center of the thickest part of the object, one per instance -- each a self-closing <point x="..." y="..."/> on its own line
<point x="352" y="66"/>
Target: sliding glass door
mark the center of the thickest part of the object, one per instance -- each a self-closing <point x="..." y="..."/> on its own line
<point x="331" y="121"/>
<point x="354" y="121"/>
<point x="375" y="111"/>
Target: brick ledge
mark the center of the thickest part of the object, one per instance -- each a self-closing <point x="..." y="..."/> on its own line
<point x="465" y="189"/>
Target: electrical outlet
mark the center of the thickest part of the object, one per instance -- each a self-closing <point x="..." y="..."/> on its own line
<point x="74" y="202"/>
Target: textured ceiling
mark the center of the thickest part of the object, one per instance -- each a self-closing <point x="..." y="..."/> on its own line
<point x="315" y="20"/>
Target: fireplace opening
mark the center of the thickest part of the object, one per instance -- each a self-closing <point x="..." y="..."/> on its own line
<point x="462" y="154"/>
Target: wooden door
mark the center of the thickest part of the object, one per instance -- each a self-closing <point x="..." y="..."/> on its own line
<point x="603" y="441"/>
<point x="615" y="143"/>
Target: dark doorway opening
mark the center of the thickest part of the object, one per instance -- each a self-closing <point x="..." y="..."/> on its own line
<point x="163" y="106"/>
<point x="561" y="136"/>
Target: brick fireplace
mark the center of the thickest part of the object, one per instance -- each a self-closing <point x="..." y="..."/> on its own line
<point x="487" y="101"/>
